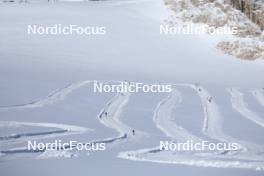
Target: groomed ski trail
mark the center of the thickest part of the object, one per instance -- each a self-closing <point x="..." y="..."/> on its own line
<point x="239" y="104"/>
<point x="163" y="118"/>
<point x="110" y="117"/>
<point x="53" y="97"/>
<point x="63" y="130"/>
<point x="164" y="123"/>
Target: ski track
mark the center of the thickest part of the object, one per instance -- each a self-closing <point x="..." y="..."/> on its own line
<point x="163" y="120"/>
<point x="54" y="150"/>
<point x="259" y="95"/>
<point x="68" y="128"/>
<point x="212" y="123"/>
<point x="53" y="97"/>
<point x="114" y="108"/>
<point x="212" y="127"/>
<point x="238" y="103"/>
<point x="22" y="137"/>
<point x="19" y="137"/>
<point x="183" y="160"/>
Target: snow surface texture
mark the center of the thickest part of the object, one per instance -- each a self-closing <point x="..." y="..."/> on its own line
<point x="211" y="127"/>
<point x="249" y="155"/>
<point x="43" y="96"/>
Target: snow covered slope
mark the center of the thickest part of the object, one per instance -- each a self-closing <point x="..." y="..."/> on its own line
<point x="46" y="84"/>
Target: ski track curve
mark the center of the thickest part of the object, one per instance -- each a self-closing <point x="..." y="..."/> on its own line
<point x="259" y="95"/>
<point x="239" y="104"/>
<point x="110" y="117"/>
<point x="212" y="126"/>
<point x="53" y="97"/>
<point x="213" y="122"/>
<point x="162" y="119"/>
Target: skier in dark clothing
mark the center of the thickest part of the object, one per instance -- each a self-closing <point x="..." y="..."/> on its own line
<point x="133" y="132"/>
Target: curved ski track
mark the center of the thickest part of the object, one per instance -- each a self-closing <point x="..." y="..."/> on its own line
<point x="239" y="104"/>
<point x="211" y="128"/>
<point x="259" y="95"/>
<point x="110" y="117"/>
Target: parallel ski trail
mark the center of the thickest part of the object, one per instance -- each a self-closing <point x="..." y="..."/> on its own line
<point x="212" y="127"/>
<point x="212" y="124"/>
<point x="163" y="121"/>
<point x="250" y="155"/>
<point x="18" y="137"/>
<point x="114" y="109"/>
<point x="213" y="120"/>
<point x="110" y="117"/>
<point x="63" y="130"/>
<point x="238" y="103"/>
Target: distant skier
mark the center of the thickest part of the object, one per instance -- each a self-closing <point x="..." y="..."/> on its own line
<point x="133" y="132"/>
<point x="209" y="99"/>
<point x="106" y="114"/>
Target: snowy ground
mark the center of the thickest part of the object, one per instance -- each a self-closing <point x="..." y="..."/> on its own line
<point x="46" y="94"/>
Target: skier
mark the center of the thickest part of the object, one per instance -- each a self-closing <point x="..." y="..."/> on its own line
<point x="209" y="99"/>
<point x="133" y="132"/>
<point x="106" y="114"/>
